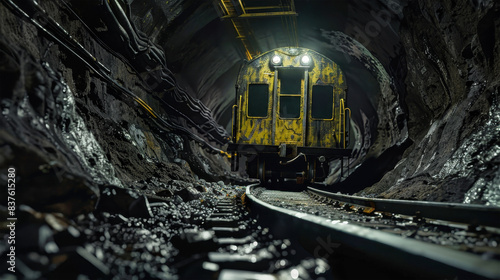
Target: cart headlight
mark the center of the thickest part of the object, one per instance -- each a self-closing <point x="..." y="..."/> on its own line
<point x="276" y="60"/>
<point x="305" y="60"/>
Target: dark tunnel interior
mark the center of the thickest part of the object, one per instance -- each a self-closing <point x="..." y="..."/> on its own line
<point x="133" y="98"/>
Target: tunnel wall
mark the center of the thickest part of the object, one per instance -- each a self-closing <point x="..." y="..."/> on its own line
<point x="452" y="53"/>
<point x="68" y="132"/>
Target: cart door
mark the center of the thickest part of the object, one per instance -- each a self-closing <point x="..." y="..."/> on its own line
<point x="289" y="106"/>
<point x="322" y="126"/>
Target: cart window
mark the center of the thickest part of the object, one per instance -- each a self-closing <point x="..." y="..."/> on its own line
<point x="290" y="93"/>
<point x="289" y="107"/>
<point x="291" y="81"/>
<point x="322" y="102"/>
<point x="258" y="99"/>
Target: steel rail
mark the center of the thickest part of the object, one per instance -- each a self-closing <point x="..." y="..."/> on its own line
<point x="454" y="212"/>
<point x="406" y="253"/>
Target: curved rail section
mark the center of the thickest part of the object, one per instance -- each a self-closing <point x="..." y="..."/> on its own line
<point x="404" y="253"/>
<point x="454" y="212"/>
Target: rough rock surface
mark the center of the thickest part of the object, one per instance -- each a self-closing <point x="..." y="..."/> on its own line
<point x="453" y="84"/>
<point x="56" y="110"/>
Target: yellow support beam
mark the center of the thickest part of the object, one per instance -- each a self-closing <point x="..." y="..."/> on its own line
<point x="237" y="12"/>
<point x="268" y="14"/>
<point x="267" y="8"/>
<point x="242" y="7"/>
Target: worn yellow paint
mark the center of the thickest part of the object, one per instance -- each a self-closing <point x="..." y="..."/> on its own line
<point x="258" y="130"/>
<point x="289" y="131"/>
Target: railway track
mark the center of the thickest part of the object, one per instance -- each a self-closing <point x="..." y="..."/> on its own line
<point x="264" y="234"/>
<point x="230" y="244"/>
<point x="319" y="235"/>
<point x="401" y="239"/>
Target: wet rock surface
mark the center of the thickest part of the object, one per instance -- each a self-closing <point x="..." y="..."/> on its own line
<point x="452" y="105"/>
